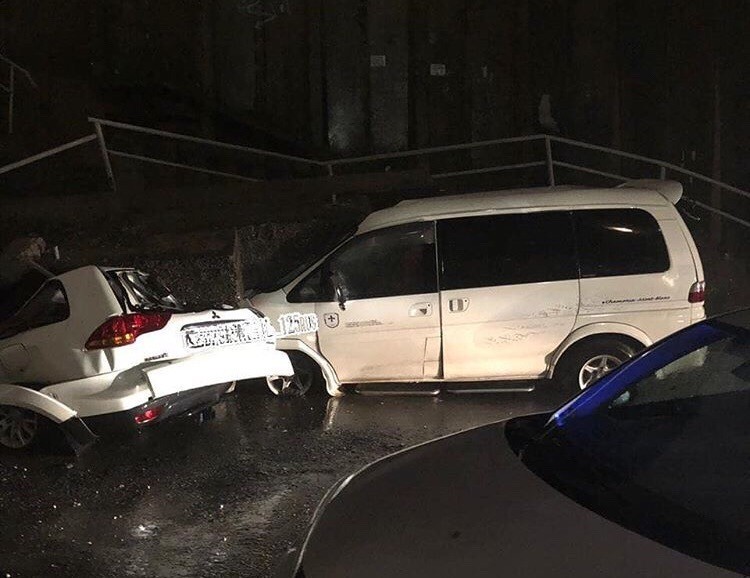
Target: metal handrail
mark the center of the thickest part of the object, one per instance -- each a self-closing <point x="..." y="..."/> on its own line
<point x="724" y="214"/>
<point x="548" y="161"/>
<point x="591" y="171"/>
<point x="20" y="69"/>
<point x="551" y="163"/>
<point x="125" y="155"/>
<point x="200" y="140"/>
<point x="486" y="170"/>
<point x="547" y="138"/>
<point x="11" y="87"/>
<point x="655" y="162"/>
<point x="47" y="153"/>
<point x="439" y="149"/>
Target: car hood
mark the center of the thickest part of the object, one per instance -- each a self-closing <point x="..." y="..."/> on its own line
<point x="465" y="505"/>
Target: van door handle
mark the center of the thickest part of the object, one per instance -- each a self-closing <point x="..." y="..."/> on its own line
<point x="420" y="310"/>
<point x="458" y="305"/>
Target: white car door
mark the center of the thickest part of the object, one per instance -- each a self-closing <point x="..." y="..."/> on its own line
<point x="509" y="293"/>
<point x="377" y="303"/>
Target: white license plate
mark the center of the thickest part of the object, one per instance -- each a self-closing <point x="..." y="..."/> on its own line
<point x="228" y="333"/>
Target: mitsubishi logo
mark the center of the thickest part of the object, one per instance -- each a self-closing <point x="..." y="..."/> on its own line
<point x="214" y="315"/>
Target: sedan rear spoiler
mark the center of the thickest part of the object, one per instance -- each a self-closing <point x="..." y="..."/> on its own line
<point x="670" y="190"/>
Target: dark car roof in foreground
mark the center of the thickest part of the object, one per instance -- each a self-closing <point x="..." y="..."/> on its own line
<point x="465" y="505"/>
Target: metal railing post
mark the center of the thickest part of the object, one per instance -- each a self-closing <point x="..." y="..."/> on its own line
<point x="662" y="172"/>
<point x="550" y="162"/>
<point x="11" y="90"/>
<point x="105" y="155"/>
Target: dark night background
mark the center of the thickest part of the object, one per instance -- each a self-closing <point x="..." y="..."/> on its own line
<point x="644" y="76"/>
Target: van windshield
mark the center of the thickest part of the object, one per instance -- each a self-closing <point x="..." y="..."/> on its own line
<point x="662" y="447"/>
<point x="308" y="261"/>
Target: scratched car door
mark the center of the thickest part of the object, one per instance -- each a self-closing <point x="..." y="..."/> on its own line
<point x="388" y="327"/>
<point x="509" y="292"/>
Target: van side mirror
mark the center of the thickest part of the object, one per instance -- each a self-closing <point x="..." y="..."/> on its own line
<point x="340" y="295"/>
<point x="339" y="290"/>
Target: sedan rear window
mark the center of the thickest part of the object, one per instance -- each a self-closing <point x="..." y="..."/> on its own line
<point x="142" y="291"/>
<point x="48" y="306"/>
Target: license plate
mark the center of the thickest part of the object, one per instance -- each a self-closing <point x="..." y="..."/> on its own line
<point x="229" y="333"/>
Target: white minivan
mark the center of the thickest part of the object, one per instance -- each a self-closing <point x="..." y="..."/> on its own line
<point x="495" y="287"/>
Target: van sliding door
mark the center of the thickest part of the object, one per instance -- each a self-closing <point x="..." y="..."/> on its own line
<point x="509" y="293"/>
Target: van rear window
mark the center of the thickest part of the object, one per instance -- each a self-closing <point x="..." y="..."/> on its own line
<point x="613" y="242"/>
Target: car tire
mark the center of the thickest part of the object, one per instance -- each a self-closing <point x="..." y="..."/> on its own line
<point x="307" y="378"/>
<point x="20" y="429"/>
<point x="587" y="362"/>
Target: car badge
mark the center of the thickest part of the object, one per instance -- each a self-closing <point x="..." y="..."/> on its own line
<point x="331" y="320"/>
<point x="214" y="315"/>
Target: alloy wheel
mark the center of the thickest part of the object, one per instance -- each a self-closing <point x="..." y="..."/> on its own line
<point x="596" y="368"/>
<point x="18" y="427"/>
<point x="290" y="386"/>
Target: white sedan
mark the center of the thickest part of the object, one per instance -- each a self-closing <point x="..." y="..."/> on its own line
<point x="96" y="346"/>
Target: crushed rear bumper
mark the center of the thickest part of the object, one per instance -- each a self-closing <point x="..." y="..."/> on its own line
<point x="173" y="405"/>
<point x="77" y="433"/>
<point x="132" y="388"/>
<point x="221" y="365"/>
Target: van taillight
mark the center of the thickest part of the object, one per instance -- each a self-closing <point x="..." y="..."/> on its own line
<point x="697" y="292"/>
<point x="125" y="329"/>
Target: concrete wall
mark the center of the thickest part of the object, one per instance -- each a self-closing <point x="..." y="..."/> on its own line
<point x="388" y="53"/>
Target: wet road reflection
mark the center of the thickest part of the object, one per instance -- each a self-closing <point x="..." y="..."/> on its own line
<point x="223" y="496"/>
<point x="435" y="415"/>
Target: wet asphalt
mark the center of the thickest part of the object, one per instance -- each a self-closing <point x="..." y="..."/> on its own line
<point x="220" y="497"/>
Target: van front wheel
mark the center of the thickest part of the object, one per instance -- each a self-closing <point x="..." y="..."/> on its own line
<point x="307" y="376"/>
<point x="585" y="363"/>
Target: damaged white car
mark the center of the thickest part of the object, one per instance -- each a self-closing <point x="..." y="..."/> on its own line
<point x="98" y="346"/>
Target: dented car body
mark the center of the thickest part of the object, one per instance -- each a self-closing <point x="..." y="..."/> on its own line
<point x="499" y="286"/>
<point x="107" y="344"/>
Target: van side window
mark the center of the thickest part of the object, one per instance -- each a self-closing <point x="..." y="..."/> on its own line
<point x="312" y="289"/>
<point x="48" y="306"/>
<point x="614" y="242"/>
<point x="506" y="250"/>
<point x="385" y="263"/>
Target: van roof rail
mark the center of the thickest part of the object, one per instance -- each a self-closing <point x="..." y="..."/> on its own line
<point x="670" y="190"/>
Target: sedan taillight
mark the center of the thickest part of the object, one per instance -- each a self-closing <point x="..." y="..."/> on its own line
<point x="148" y="415"/>
<point x="125" y="329"/>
